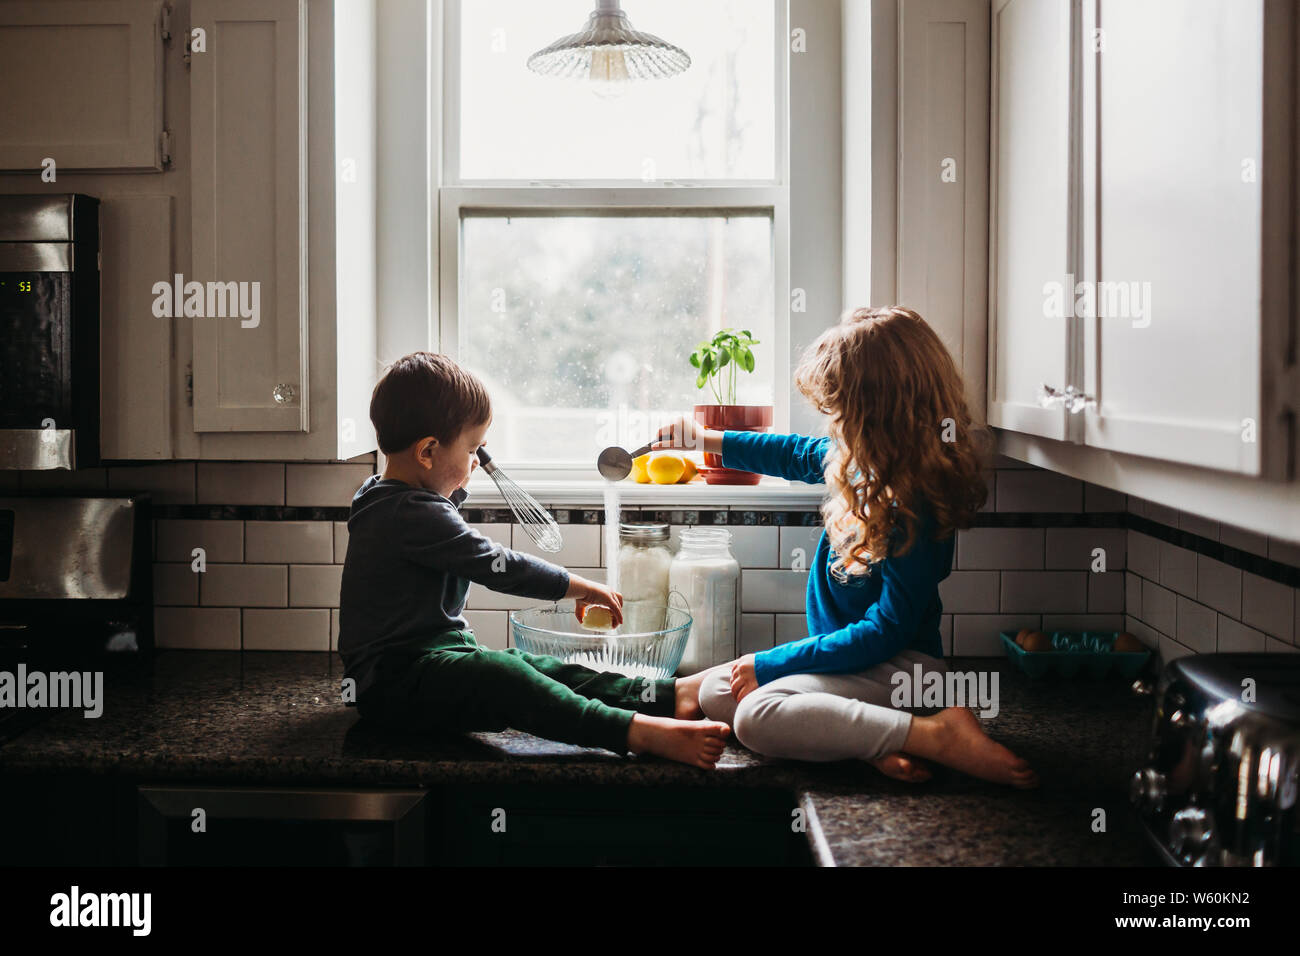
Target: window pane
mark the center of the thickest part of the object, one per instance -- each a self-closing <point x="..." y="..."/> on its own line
<point x="716" y="120"/>
<point x="582" y="326"/>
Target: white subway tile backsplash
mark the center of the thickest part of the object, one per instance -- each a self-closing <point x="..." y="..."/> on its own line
<point x="756" y="546"/>
<point x="1274" y="646"/>
<point x="221" y="541"/>
<point x="197" y="628"/>
<point x="491" y="628"/>
<point x="1269" y="606"/>
<point x="1001" y="462"/>
<point x="1143" y="555"/>
<point x="314" y="585"/>
<point x="756" y="633"/>
<point x="1132" y="594"/>
<point x="244" y="585"/>
<point x="175" y="585"/>
<point x="999" y="548"/>
<point x="500" y="533"/>
<point x="323" y="485"/>
<point x="1194" y="524"/>
<point x="169" y="483"/>
<point x="1038" y="491"/>
<point x="286" y="629"/>
<point x="334" y="629"/>
<point x="1196" y="625"/>
<point x="970" y="592"/>
<point x="1098" y="498"/>
<point x="289" y="542"/>
<point x="1106" y="593"/>
<point x="1083" y="622"/>
<point x="581" y="545"/>
<point x="340" y="541"/>
<point x="979" y="635"/>
<point x="1148" y="636"/>
<point x="1171" y="650"/>
<point x="790" y="627"/>
<point x="773" y="591"/>
<point x="1037" y="592"/>
<point x="83" y="479"/>
<point x="945" y="633"/>
<point x="1162" y="514"/>
<point x="1235" y="636"/>
<point x="1073" y="548"/>
<point x="800" y="543"/>
<point x="241" y="483"/>
<point x="1218" y="585"/>
<point x="1159" y="607"/>
<point x="991" y="486"/>
<point x="1286" y="552"/>
<point x="1243" y="540"/>
<point x="1178" y="569"/>
<point x="481" y="598"/>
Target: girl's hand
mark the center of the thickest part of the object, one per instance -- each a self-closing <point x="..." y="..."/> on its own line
<point x="590" y="592"/>
<point x="743" y="680"/>
<point x="686" y="435"/>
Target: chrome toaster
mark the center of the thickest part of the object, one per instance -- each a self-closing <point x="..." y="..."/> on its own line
<point x="1219" y="786"/>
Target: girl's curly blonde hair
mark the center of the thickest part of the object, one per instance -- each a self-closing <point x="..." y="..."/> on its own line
<point x="902" y="435"/>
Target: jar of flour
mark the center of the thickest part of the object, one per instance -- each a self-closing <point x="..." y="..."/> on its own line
<point x="705" y="573"/>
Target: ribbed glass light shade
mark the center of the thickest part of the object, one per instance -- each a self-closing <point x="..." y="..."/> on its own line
<point x="608" y="52"/>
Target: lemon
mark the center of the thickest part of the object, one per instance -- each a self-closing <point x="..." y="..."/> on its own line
<point x="598" y="618"/>
<point x="639" y="473"/>
<point x="689" y="472"/>
<point x="666" y="469"/>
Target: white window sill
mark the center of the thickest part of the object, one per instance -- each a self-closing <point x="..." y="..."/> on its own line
<point x="768" y="495"/>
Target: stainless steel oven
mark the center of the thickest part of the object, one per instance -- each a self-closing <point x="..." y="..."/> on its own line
<point x="49" y="332"/>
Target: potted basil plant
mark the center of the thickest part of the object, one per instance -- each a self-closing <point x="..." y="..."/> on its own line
<point x="719" y="363"/>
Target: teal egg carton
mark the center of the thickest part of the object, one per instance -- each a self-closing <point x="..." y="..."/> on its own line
<point x="1076" y="654"/>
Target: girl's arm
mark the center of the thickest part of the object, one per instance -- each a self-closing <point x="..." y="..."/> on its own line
<point x="907" y="589"/>
<point x="793" y="457"/>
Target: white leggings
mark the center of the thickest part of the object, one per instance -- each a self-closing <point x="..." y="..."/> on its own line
<point x="819" y="716"/>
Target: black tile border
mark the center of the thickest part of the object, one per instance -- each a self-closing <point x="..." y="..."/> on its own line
<point x="797" y="518"/>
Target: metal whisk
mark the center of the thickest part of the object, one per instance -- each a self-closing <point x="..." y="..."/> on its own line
<point x="541" y="527"/>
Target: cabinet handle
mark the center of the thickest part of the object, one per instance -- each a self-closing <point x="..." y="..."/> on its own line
<point x="1071" y="398"/>
<point x="283" y="394"/>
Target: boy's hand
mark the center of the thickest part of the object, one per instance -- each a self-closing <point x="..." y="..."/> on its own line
<point x="743" y="679"/>
<point x="589" y="592"/>
<point x="686" y="435"/>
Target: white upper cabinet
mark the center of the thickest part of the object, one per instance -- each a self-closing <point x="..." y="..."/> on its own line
<point x="1144" y="163"/>
<point x="83" y="84"/>
<point x="248" y="121"/>
<point x="1030" y="247"/>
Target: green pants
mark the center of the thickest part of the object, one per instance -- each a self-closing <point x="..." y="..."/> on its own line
<point x="450" y="684"/>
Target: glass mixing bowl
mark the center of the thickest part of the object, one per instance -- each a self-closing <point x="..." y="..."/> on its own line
<point x="649" y="652"/>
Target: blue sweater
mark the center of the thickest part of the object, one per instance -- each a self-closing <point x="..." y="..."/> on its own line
<point x="858" y="625"/>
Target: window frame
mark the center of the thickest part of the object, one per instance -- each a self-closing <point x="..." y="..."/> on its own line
<point x="456" y="197"/>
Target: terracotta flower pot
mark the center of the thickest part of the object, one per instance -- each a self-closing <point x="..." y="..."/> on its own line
<point x="735" y="418"/>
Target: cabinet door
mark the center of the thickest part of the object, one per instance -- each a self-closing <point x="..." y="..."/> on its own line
<point x="1031" y="255"/>
<point x="1173" y="202"/>
<point x="248" y="126"/>
<point x="91" y="93"/>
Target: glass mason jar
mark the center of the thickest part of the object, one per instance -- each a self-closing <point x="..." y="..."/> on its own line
<point x="643" y="562"/>
<point x="707" y="575"/>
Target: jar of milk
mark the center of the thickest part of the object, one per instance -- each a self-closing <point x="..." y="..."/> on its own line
<point x="708" y="577"/>
<point x="642" y="576"/>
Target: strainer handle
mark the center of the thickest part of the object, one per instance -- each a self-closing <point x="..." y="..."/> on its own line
<point x="686" y="605"/>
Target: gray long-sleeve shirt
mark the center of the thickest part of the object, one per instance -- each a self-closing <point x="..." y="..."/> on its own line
<point x="410" y="560"/>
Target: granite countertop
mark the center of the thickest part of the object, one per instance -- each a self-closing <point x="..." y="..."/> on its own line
<point x="274" y="718"/>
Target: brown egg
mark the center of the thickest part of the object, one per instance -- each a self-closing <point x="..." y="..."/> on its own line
<point x="1126" y="643"/>
<point x="1020" y="637"/>
<point x="1037" y="641"/>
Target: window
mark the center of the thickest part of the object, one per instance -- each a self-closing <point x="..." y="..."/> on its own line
<point x="588" y="243"/>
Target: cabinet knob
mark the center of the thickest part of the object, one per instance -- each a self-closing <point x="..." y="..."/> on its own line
<point x="283" y="394"/>
<point x="1072" y="399"/>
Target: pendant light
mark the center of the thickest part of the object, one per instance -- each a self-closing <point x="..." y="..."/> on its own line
<point x="608" y="53"/>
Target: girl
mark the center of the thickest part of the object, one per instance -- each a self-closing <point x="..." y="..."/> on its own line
<point x="903" y="472"/>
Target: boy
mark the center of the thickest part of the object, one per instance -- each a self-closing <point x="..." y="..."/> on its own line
<point x="411" y="557"/>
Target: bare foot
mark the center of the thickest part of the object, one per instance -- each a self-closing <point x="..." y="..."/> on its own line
<point x="687" y="704"/>
<point x="695" y="742"/>
<point x="902" y="767"/>
<point x="954" y="738"/>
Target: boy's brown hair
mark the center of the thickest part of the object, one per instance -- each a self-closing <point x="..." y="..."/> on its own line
<point x="424" y="394"/>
